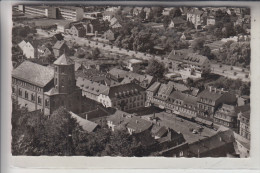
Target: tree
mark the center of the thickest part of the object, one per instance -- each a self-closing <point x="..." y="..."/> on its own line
<point x="176" y="12"/>
<point x="166" y="22"/>
<point x="142" y="14"/>
<point x="155" y="69"/>
<point x="198" y="44"/>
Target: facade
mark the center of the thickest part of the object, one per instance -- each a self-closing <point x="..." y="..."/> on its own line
<point x="108" y="15"/>
<point x="210" y="99"/>
<point x="71" y="13"/>
<point x="28" y="49"/>
<point x="123" y="97"/>
<point x="47" y="11"/>
<point x="244" y="121"/>
<point x="60" y="48"/>
<point x="78" y="30"/>
<point x="38" y="87"/>
<point x="62" y="27"/>
<point x="176" y="22"/>
<point x="226" y="116"/>
<point x="189" y="65"/>
<point x="109" y="34"/>
<point x="195" y="16"/>
<point x="134" y="65"/>
<point x="211" y="20"/>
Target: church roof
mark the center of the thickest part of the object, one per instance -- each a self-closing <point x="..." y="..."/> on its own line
<point x="34" y="73"/>
<point x="63" y="60"/>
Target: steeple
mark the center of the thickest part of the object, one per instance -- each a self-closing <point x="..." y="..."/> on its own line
<point x="64" y="76"/>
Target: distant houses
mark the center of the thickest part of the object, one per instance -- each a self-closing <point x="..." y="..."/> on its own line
<point x="29" y="50"/>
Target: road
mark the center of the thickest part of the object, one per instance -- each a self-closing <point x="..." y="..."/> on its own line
<point x="225" y="70"/>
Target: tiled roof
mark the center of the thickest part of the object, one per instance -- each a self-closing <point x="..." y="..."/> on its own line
<point x="34" y="73"/>
<point x="120" y="117"/>
<point x="179" y="86"/>
<point x="154" y="86"/>
<point x="124" y="90"/>
<point x="138" y="124"/>
<point x="187" y="99"/>
<point x="195" y="11"/>
<point x="59" y="44"/>
<point x="212" y="143"/>
<point x="178" y="20"/>
<point x="162" y="131"/>
<point x="87" y="125"/>
<point x="91" y="87"/>
<point x="63" y="60"/>
<point x="210" y="95"/>
<point x="79" y="26"/>
<point x="22" y="44"/>
<point x="195" y="59"/>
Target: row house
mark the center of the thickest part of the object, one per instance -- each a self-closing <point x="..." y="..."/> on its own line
<point x="38" y="87"/>
<point x="195" y="16"/>
<point x="210" y="99"/>
<point x="226" y="115"/>
<point x="123" y="97"/>
<point x="188" y="64"/>
<point x="182" y="104"/>
<point x="244" y="121"/>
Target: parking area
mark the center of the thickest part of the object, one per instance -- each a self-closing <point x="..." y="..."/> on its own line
<point x="181" y="125"/>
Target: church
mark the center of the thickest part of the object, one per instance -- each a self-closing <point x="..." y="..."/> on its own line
<point x="47" y="88"/>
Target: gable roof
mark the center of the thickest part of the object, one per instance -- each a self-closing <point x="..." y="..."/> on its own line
<point x="178" y="20"/>
<point x="87" y="125"/>
<point x="154" y="87"/>
<point x="63" y="60"/>
<point x="91" y="87"/>
<point x="128" y="89"/>
<point x="195" y="59"/>
<point x="34" y="73"/>
<point x="138" y="124"/>
<point x="22" y="44"/>
<point x="210" y="95"/>
<point x="59" y="44"/>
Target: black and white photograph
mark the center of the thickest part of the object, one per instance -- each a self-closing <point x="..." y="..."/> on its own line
<point x="130" y="81"/>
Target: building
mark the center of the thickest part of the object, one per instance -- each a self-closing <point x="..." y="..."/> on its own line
<point x="134" y="64"/>
<point x="137" y="11"/>
<point x="194" y="16"/>
<point x="226" y="115"/>
<point x="176" y="22"/>
<point x="71" y="13"/>
<point x="210" y="99"/>
<point x="118" y="120"/>
<point x="109" y="35"/>
<point x="29" y="50"/>
<point x="190" y="65"/>
<point x="211" y="20"/>
<point x="43" y="51"/>
<point x="78" y="30"/>
<point x="39" y="87"/>
<point x="138" y="125"/>
<point x="61" y="27"/>
<point x="182" y="104"/>
<point x="86" y="125"/>
<point x="244" y="121"/>
<point x="123" y="97"/>
<point x="108" y="15"/>
<point x="59" y="48"/>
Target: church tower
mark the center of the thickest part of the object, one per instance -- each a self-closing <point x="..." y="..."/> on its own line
<point x="64" y="76"/>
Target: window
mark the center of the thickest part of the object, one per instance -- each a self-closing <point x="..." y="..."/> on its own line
<point x="39" y="100"/>
<point x="26" y="94"/>
<point x="20" y="93"/>
<point x="13" y="89"/>
<point x="56" y="69"/>
<point x="32" y="97"/>
<point x="47" y="103"/>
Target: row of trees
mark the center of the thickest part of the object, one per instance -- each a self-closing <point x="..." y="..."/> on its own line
<point x="59" y="134"/>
